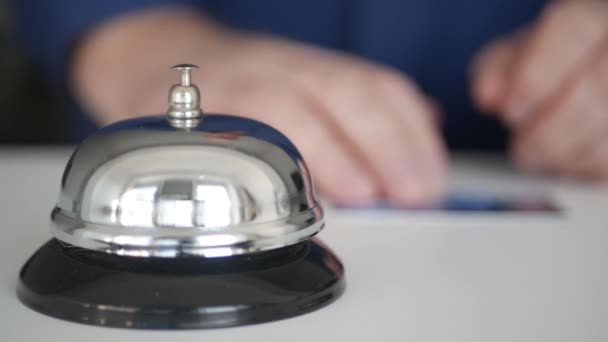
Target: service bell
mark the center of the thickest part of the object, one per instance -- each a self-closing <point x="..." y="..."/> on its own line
<point x="185" y="220"/>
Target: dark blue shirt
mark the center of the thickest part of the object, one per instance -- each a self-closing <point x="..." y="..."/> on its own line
<point x="433" y="41"/>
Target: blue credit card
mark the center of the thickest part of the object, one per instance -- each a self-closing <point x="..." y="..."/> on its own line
<point x="474" y="202"/>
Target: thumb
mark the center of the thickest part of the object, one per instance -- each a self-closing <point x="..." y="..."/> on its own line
<point x="490" y="71"/>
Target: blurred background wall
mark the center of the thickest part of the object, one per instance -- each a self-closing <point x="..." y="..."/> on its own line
<point x="28" y="112"/>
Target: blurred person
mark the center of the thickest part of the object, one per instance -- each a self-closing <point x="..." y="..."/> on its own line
<point x="370" y="91"/>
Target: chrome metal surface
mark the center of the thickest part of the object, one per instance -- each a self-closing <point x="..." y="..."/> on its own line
<point x="184" y="98"/>
<point x="224" y="186"/>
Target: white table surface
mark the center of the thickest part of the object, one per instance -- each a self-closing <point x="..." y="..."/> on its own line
<point x="410" y="276"/>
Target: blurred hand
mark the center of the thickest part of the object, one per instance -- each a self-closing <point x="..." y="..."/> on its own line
<point x="365" y="130"/>
<point x="549" y="82"/>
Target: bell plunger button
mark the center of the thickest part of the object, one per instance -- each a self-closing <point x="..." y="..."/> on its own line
<point x="184" y="97"/>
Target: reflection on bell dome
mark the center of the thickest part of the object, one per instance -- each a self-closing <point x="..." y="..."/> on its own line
<point x="178" y="203"/>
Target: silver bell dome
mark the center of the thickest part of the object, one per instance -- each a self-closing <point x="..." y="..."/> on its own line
<point x="186" y="184"/>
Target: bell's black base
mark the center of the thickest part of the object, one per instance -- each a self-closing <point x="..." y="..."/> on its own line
<point x="179" y="293"/>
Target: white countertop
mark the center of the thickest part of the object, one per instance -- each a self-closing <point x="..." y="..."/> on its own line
<point x="410" y="276"/>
